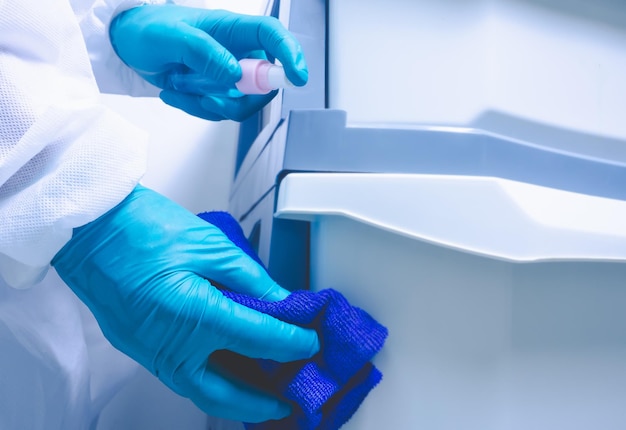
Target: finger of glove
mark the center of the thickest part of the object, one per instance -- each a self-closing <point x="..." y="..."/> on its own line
<point x="275" y="293"/>
<point x="238" y="108"/>
<point x="195" y="83"/>
<point x="204" y="55"/>
<point x="216" y="258"/>
<point x="249" y="33"/>
<point x="258" y="335"/>
<point x="219" y="396"/>
<point x="237" y="271"/>
<point x="190" y="103"/>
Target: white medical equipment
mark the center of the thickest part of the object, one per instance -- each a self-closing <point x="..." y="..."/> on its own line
<point x="467" y="187"/>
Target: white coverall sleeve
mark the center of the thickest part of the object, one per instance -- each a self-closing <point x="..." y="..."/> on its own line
<point x="65" y="159"/>
<point x="112" y="75"/>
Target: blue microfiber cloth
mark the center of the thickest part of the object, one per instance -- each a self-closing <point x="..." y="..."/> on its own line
<point x="327" y="389"/>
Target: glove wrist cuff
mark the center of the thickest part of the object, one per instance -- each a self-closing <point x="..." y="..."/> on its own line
<point x="130" y="4"/>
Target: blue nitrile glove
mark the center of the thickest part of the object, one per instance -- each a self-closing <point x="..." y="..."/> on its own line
<point x="145" y="268"/>
<point x="160" y="40"/>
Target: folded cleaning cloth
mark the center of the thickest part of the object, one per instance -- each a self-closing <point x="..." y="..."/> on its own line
<point x="327" y="389"/>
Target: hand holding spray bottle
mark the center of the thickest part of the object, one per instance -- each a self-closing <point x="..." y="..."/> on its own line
<point x="258" y="77"/>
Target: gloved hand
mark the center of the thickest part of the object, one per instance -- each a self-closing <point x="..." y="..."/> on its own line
<point x="145" y="268"/>
<point x="159" y="40"/>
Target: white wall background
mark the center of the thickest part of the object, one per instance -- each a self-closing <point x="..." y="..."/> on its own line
<point x="190" y="160"/>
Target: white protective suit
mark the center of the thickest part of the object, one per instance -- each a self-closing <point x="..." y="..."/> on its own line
<point x="65" y="159"/>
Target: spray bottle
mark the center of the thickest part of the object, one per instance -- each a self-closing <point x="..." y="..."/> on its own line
<point x="258" y="77"/>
